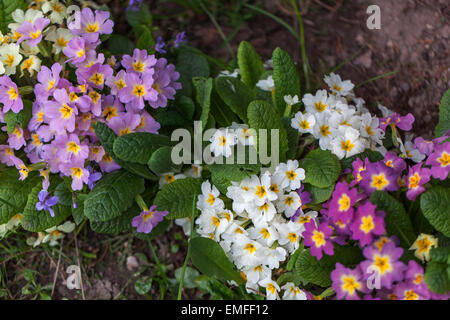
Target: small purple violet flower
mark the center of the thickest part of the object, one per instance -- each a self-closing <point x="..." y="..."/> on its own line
<point x="46" y="203"/>
<point x="147" y="220"/>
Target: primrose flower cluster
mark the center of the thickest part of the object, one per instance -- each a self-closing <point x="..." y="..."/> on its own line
<point x="340" y="120"/>
<point x="262" y="228"/>
<point x="78" y="88"/>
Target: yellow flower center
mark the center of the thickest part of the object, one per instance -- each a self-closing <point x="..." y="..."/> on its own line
<point x="260" y="191"/>
<point x="320" y="106"/>
<point x="138" y="90"/>
<point x="92" y="28"/>
<point x="414" y="181"/>
<point x="383" y="264"/>
<point x="367" y="224"/>
<point x="444" y="160"/>
<point x="291" y="175"/>
<point x="318" y="238"/>
<point x="211" y="199"/>
<point x="379" y="181"/>
<point x="97" y="78"/>
<point x="265" y="233"/>
<point x="66" y="111"/>
<point x="325" y="130"/>
<point x="73" y="147"/>
<point x="110" y="112"/>
<point x="350" y="284"/>
<point x="347" y="145"/>
<point x="250" y="248"/>
<point x="10" y="59"/>
<point x="77" y="173"/>
<point x="12" y="93"/>
<point x="138" y="66"/>
<point x="344" y="202"/>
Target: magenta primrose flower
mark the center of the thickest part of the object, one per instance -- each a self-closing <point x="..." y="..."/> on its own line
<point x="385" y="263"/>
<point x="147" y="220"/>
<point x="417" y="177"/>
<point x="439" y="161"/>
<point x="395" y="120"/>
<point x="378" y="176"/>
<point x="9" y="95"/>
<point x="408" y="290"/>
<point x="32" y="31"/>
<point x="394" y="162"/>
<point x="318" y="239"/>
<point x="347" y="282"/>
<point x="367" y="224"/>
<point x="342" y="203"/>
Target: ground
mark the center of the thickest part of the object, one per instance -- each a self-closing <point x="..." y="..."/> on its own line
<point x="413" y="41"/>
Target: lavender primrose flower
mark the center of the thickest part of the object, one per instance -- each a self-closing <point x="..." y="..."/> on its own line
<point x="32" y="31"/>
<point x="137" y="90"/>
<point x="48" y="81"/>
<point x="140" y="62"/>
<point x="46" y="203"/>
<point x="147" y="220"/>
<point x="92" y="25"/>
<point x="164" y="83"/>
<point x="9" y="95"/>
<point x="75" y="50"/>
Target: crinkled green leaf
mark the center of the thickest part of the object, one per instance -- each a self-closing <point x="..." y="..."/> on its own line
<point x="397" y="221"/>
<point x="261" y="115"/>
<point x="78" y="212"/>
<point x="34" y="220"/>
<point x="318" y="271"/>
<point x="209" y="257"/>
<point x="7" y="7"/>
<point x="319" y="195"/>
<point x="112" y="195"/>
<point x="285" y="77"/>
<point x="322" y="168"/>
<point x="177" y="197"/>
<point x="185" y="106"/>
<point x="14" y="193"/>
<point x="440" y="254"/>
<point x="119" y="44"/>
<point x="373" y="156"/>
<point x="444" y="115"/>
<point x="21" y="119"/>
<point x="203" y="88"/>
<point x="161" y="161"/>
<point x="435" y="205"/>
<point x="250" y="65"/>
<point x="436" y="277"/>
<point x="138" y="146"/>
<point x="190" y="65"/>
<point x="235" y="94"/>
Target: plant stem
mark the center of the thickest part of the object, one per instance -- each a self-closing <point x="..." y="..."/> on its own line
<point x="302" y="44"/>
<point x="158" y="263"/>
<point x="188" y="254"/>
<point x="141" y="203"/>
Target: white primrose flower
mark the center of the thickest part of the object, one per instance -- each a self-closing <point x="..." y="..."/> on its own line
<point x="385" y="112"/>
<point x="31" y="64"/>
<point x="59" y="37"/>
<point x="345" y="115"/>
<point x="303" y="122"/>
<point x="318" y="103"/>
<point x="57" y="11"/>
<point x="272" y="257"/>
<point x="34" y="242"/>
<point x="410" y="152"/>
<point x="241" y="194"/>
<point x="184" y="223"/>
<point x="244" y="134"/>
<point x="58" y="232"/>
<point x="292" y="292"/>
<point x="307" y="217"/>
<point x="261" y="189"/>
<point x="10" y="225"/>
<point x="234" y="232"/>
<point x="268" y="64"/>
<point x="209" y="199"/>
<point x="195" y="171"/>
<point x="19" y="16"/>
<point x="290" y="234"/>
<point x="261" y="214"/>
<point x="291" y="100"/>
<point x="226" y="73"/>
<point x="347" y="143"/>
<point x="290" y="175"/>
<point x="211" y="224"/>
<point x="369" y="129"/>
<point x="324" y="130"/>
<point x="222" y="141"/>
<point x="169" y="177"/>
<point x="267" y="84"/>
<point x="289" y="203"/>
<point x="10" y="57"/>
<point x="265" y="234"/>
<point x="337" y="86"/>
<point x="246" y="252"/>
<point x="258" y="273"/>
<point x="272" y="288"/>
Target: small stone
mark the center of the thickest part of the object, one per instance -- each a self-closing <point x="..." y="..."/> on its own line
<point x="132" y="263"/>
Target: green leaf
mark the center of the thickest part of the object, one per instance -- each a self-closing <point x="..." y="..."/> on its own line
<point x="292" y="137"/>
<point x="322" y="168"/>
<point x="261" y="115"/>
<point x="221" y="112"/>
<point x="112" y="195"/>
<point x="441" y="254"/>
<point x="397" y="220"/>
<point x="14" y="193"/>
<point x="250" y="65"/>
<point x="235" y="94"/>
<point x="144" y="37"/>
<point x="444" y="115"/>
<point x="185" y="106"/>
<point x="78" y="212"/>
<point x="64" y="195"/>
<point x="436" y="277"/>
<point x="7" y="7"/>
<point x="116" y="225"/>
<point x="138" y="146"/>
<point x="161" y="161"/>
<point x="34" y="220"/>
<point x="203" y="87"/>
<point x="223" y="174"/>
<point x="190" y="65"/>
<point x="22" y="118"/>
<point x="319" y="195"/>
<point x="214" y="287"/>
<point x="435" y="204"/>
<point x="118" y="44"/>
<point x="189" y="277"/>
<point x="318" y="272"/>
<point x="209" y="257"/>
<point x="107" y="138"/>
<point x="374" y="156"/>
<point x="285" y="77"/>
<point x="177" y="197"/>
<point x="138" y="17"/>
<point x="143" y="285"/>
